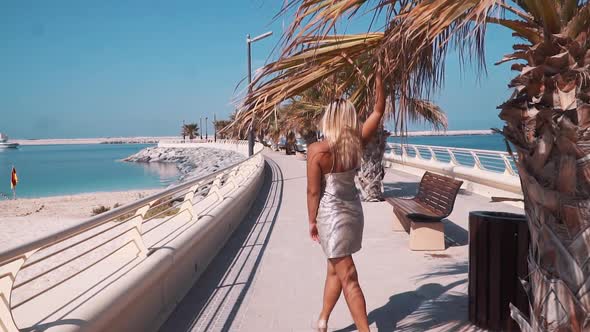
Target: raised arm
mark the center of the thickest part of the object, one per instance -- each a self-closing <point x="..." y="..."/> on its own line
<point x="373" y="121"/>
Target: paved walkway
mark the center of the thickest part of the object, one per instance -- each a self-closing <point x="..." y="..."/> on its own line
<point x="269" y="276"/>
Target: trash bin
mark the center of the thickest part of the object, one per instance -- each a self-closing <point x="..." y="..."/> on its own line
<point x="498" y="249"/>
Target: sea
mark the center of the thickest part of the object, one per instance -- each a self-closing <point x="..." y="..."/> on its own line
<point x="54" y="170"/>
<point x="480" y="142"/>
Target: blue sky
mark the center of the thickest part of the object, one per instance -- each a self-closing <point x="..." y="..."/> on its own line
<point x="126" y="68"/>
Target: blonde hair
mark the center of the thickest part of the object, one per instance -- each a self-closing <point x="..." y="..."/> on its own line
<point x="342" y="131"/>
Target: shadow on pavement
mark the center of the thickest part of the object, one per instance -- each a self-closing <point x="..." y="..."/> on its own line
<point x="400" y="189"/>
<point x="214" y="301"/>
<point x="429" y="306"/>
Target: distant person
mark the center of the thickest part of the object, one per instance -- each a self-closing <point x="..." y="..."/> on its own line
<point x="333" y="203"/>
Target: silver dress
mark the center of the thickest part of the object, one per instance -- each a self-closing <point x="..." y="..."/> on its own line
<point x="340" y="215"/>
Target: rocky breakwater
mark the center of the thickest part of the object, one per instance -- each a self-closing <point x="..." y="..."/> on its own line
<point x="191" y="162"/>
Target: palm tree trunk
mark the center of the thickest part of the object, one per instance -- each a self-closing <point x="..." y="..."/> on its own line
<point x="370" y="176"/>
<point x="556" y="186"/>
<point x="559" y="282"/>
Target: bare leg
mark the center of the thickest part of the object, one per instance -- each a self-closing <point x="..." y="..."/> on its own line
<point x="346" y="272"/>
<point x="332" y="290"/>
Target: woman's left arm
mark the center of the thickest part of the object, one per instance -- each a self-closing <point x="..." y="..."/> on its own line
<point x="314" y="183"/>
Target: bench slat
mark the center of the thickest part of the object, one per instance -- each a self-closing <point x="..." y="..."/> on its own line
<point x="438" y="192"/>
<point x="436" y="197"/>
<point x="411" y="206"/>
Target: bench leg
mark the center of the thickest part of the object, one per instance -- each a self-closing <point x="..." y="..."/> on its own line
<point x="427" y="236"/>
<point x="398" y="225"/>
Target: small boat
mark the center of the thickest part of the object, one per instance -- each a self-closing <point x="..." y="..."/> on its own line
<point x="4" y="144"/>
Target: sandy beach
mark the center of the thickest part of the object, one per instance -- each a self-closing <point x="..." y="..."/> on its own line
<point x="68" y="206"/>
<point x="25" y="219"/>
<point x="51" y="214"/>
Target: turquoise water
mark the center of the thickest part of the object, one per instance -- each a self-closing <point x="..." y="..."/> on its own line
<point x="52" y="170"/>
<point x="481" y="142"/>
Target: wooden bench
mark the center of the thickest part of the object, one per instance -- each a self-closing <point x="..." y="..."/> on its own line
<point x="421" y="216"/>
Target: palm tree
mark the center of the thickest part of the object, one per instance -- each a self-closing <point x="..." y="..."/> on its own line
<point x="191" y="130"/>
<point x="219" y="126"/>
<point x="547" y="117"/>
<point x="232" y="130"/>
<point x="301" y="114"/>
<point x="303" y="118"/>
<point x="322" y="68"/>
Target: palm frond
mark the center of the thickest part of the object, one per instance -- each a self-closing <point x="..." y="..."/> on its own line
<point x="426" y="111"/>
<point x="317" y="18"/>
<point x="321" y="60"/>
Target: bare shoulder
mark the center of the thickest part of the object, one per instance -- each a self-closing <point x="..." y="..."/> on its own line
<point x="317" y="149"/>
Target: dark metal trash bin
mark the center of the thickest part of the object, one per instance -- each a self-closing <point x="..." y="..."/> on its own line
<point x="498" y="249"/>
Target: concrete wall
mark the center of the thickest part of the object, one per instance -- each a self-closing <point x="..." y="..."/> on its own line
<point x="144" y="300"/>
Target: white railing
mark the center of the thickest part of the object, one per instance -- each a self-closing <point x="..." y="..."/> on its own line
<point x="485" y="160"/>
<point x="44" y="281"/>
<point x="494" y="169"/>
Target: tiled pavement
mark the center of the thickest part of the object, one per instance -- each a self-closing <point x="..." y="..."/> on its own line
<point x="269" y="276"/>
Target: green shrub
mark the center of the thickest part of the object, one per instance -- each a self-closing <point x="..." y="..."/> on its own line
<point x="101" y="209"/>
<point x="160" y="207"/>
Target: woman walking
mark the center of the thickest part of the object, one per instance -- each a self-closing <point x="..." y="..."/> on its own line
<point x="333" y="203"/>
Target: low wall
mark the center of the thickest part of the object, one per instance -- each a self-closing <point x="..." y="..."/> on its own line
<point x="138" y="285"/>
<point x="143" y="301"/>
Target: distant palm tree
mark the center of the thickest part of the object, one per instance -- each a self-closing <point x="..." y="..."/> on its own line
<point x="547" y="117"/>
<point x="219" y="126"/>
<point x="191" y="130"/>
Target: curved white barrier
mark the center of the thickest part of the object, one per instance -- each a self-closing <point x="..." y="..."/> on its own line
<point x="125" y="270"/>
<point x="143" y="301"/>
<point x="486" y="172"/>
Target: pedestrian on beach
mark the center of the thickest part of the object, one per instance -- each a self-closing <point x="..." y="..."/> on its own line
<point x="13" y="182"/>
<point x="333" y="203"/>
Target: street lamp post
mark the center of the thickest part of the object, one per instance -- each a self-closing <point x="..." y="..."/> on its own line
<point x="214" y="128"/>
<point x="201" y="127"/>
<point x="206" y="134"/>
<point x="249" y="41"/>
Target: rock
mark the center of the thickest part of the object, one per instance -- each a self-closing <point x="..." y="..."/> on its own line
<point x="191" y="162"/>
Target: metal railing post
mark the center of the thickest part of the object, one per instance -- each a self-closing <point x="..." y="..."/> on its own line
<point x="432" y="154"/>
<point x="137" y="223"/>
<point x="8" y="273"/>
<point x="477" y="161"/>
<point x="453" y="157"/>
<point x="187" y="203"/>
<point x="508" y="168"/>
